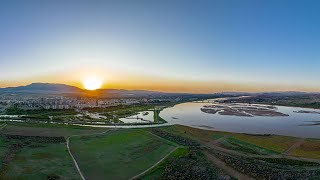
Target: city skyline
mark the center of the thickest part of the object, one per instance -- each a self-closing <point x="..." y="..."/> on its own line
<point x="170" y="46"/>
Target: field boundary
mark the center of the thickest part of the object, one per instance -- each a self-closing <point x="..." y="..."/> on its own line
<point x="164" y="139"/>
<point x="293" y="147"/>
<point x="3" y="125"/>
<point x="71" y="155"/>
<point x="153" y="166"/>
<point x="237" y="153"/>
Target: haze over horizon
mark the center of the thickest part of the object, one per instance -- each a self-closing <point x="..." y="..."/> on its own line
<point x="170" y="46"/>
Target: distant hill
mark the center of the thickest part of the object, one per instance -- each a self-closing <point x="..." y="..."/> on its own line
<point x="48" y="88"/>
<point x="42" y="88"/>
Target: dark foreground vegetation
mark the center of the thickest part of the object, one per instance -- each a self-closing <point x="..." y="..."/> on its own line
<point x="271" y="168"/>
<point x="186" y="164"/>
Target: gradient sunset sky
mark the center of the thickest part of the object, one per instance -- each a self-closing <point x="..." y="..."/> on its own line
<point x="165" y="45"/>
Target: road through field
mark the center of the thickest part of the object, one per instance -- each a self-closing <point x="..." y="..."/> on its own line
<point x="294" y="146"/>
<point x="156" y="164"/>
<point x="3" y="126"/>
<point x="71" y="155"/>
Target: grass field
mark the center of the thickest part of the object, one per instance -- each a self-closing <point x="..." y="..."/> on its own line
<point x="310" y="149"/>
<point x="119" y="154"/>
<point x="275" y="143"/>
<point x="199" y="135"/>
<point x="38" y="151"/>
<point x="245" y="147"/>
<point x="267" y="144"/>
<point x="35" y="158"/>
<point x="52" y="130"/>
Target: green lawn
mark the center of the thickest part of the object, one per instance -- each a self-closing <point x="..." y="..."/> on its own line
<point x="35" y="160"/>
<point x="119" y="154"/>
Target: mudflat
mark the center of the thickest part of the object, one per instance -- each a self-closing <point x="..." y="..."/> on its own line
<point x="242" y="110"/>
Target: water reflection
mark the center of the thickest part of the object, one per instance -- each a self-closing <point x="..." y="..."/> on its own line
<point x="141" y="117"/>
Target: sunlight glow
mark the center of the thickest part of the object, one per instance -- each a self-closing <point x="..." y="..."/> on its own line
<point x="92" y="83"/>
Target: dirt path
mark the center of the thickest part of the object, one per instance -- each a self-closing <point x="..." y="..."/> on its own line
<point x="212" y="146"/>
<point x="71" y="155"/>
<point x="74" y="160"/>
<point x="3" y="126"/>
<point x="293" y="147"/>
<point x="222" y="165"/>
<point x="164" y="139"/>
<point x="220" y="140"/>
<point x="156" y="164"/>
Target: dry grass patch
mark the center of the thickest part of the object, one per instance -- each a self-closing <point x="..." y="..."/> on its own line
<point x="272" y="142"/>
<point x="309" y="149"/>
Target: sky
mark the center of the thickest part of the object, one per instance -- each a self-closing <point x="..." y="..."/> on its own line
<point x="165" y="45"/>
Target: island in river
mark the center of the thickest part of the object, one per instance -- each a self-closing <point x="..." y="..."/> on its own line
<point x="246" y="110"/>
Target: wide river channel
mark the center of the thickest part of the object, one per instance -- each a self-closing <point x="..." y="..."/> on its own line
<point x="296" y="124"/>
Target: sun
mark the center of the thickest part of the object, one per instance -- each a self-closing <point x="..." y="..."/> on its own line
<point x="92" y="83"/>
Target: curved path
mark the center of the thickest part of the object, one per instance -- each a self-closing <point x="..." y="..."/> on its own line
<point x="71" y="155"/>
<point x="74" y="160"/>
<point x="3" y="125"/>
<point x="156" y="164"/>
<point x="237" y="153"/>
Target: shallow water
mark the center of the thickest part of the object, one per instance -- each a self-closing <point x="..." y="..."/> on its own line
<point x="139" y="118"/>
<point x="191" y="115"/>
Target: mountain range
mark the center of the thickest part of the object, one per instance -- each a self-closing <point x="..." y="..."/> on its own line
<point x="49" y="88"/>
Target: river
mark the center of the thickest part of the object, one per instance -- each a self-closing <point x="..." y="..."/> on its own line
<point x="296" y="124"/>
